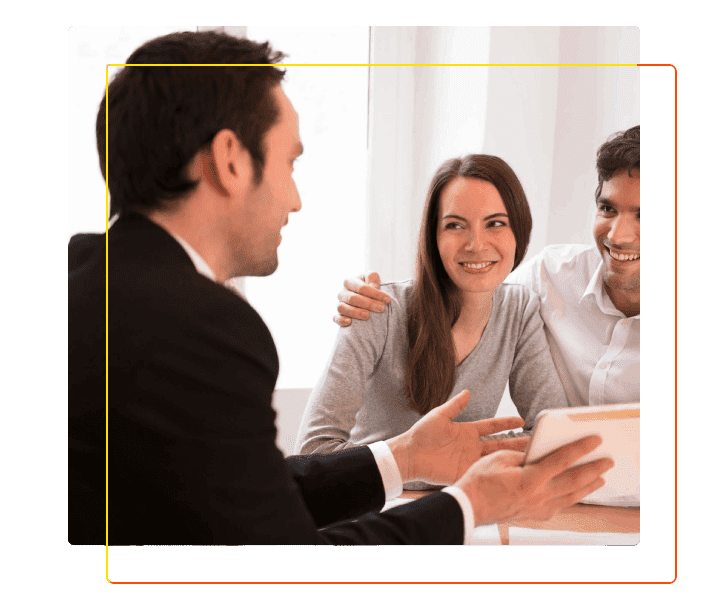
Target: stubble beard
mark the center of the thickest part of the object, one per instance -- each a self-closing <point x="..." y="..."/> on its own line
<point x="246" y="266"/>
<point x="266" y="267"/>
<point x="617" y="282"/>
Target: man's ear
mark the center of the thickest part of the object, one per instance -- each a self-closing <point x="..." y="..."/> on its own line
<point x="226" y="164"/>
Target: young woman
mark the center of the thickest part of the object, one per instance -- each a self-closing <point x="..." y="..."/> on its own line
<point x="455" y="326"/>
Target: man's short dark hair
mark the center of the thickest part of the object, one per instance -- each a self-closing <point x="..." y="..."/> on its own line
<point x="160" y="117"/>
<point x="620" y="151"/>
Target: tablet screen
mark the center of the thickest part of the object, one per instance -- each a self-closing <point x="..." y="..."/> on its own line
<point x="617" y="425"/>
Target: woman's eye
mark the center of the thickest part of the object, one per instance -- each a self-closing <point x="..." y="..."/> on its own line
<point x="496" y="224"/>
<point x="452" y="225"/>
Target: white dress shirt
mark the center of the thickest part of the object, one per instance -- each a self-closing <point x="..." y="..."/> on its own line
<point x="393" y="486"/>
<point x="390" y="474"/>
<point x="594" y="346"/>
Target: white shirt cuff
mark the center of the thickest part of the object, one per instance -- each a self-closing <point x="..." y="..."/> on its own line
<point x="467" y="511"/>
<point x="393" y="485"/>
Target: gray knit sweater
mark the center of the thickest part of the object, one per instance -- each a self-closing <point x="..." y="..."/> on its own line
<point x="360" y="397"/>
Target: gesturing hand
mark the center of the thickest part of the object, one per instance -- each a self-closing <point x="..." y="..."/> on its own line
<point x="437" y="450"/>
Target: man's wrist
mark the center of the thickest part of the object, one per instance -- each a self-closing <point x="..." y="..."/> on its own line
<point x="390" y="476"/>
<point x="475" y="499"/>
<point x="399" y="447"/>
<point x="465" y="504"/>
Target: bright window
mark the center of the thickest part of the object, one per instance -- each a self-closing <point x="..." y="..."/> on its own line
<point x="324" y="242"/>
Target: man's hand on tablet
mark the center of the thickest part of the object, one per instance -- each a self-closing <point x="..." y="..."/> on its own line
<point x="501" y="489"/>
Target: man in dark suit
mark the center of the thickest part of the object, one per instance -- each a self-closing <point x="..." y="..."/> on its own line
<point x="200" y="176"/>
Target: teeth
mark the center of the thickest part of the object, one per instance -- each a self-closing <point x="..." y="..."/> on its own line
<point x="623" y="257"/>
<point x="481" y="265"/>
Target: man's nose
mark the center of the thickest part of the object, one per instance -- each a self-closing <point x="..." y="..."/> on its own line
<point x="624" y="230"/>
<point x="296" y="203"/>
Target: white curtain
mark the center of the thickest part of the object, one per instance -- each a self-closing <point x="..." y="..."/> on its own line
<point x="546" y="122"/>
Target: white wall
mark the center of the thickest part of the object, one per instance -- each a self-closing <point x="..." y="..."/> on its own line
<point x="289" y="405"/>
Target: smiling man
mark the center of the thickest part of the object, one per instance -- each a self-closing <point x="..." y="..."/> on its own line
<point x="589" y="294"/>
<point x="617" y="237"/>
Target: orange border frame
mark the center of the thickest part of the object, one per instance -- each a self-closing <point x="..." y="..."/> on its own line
<point x="675" y="367"/>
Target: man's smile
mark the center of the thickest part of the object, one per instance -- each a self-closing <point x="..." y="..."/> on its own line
<point x="622" y="256"/>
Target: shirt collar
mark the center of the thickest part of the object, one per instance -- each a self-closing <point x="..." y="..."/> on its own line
<point x="203" y="268"/>
<point x="596" y="289"/>
<point x="199" y="263"/>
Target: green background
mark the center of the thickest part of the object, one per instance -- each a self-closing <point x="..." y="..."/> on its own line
<point x="45" y="566"/>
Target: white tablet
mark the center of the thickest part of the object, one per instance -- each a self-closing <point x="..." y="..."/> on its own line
<point x="617" y="425"/>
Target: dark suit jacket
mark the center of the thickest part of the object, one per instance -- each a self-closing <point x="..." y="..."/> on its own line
<point x="191" y="432"/>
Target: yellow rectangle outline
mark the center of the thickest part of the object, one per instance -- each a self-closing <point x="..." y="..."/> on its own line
<point x="223" y="65"/>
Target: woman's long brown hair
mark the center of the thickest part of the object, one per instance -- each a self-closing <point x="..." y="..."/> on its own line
<point x="436" y="302"/>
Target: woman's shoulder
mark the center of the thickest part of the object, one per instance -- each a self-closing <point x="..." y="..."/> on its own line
<point x="397" y="288"/>
<point x="515" y="300"/>
<point x="379" y="325"/>
<point x="516" y="310"/>
<point x="515" y="294"/>
<point x="400" y="293"/>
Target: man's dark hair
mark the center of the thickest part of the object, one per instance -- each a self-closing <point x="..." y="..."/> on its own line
<point x="620" y="151"/>
<point x="161" y="116"/>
